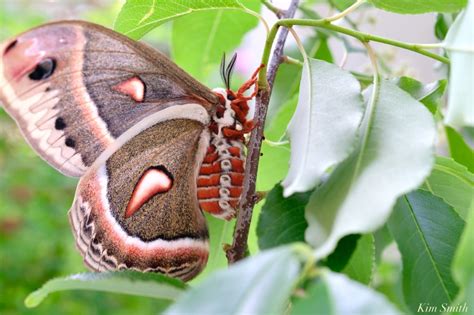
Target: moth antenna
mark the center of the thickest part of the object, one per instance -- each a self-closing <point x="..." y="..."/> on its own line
<point x="223" y="72"/>
<point x="230" y="69"/>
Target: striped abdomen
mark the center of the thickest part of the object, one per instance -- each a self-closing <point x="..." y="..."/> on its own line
<point x="221" y="176"/>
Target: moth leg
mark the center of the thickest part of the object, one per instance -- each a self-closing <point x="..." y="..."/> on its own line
<point x="232" y="133"/>
<point x="248" y="84"/>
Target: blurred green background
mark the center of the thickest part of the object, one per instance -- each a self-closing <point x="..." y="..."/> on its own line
<point x="36" y="243"/>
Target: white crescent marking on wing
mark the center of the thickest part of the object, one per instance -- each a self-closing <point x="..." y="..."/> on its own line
<point x="135" y="241"/>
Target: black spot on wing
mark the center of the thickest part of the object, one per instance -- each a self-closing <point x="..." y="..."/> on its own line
<point x="70" y="142"/>
<point x="43" y="70"/>
<point x="59" y="123"/>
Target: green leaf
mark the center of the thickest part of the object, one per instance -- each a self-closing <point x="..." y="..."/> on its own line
<point x="282" y="219"/>
<point x="335" y="294"/>
<point x="453" y="183"/>
<point x="316" y="300"/>
<point x="285" y="90"/>
<point x="382" y="239"/>
<point x="286" y="86"/>
<point x="460" y="151"/>
<point x="261" y="284"/>
<point x="463" y="305"/>
<point x="394" y="155"/>
<point x="321" y="48"/>
<point x="276" y="129"/>
<point x="362" y="263"/>
<point x="323" y="129"/>
<point x="252" y="241"/>
<point x="273" y="166"/>
<point x="138" y="17"/>
<point x="429" y="95"/>
<point x="212" y="34"/>
<point x="419" y="6"/>
<point x="341" y="5"/>
<point x="427" y="231"/>
<point x="364" y="79"/>
<point x="463" y="264"/>
<point x="460" y="45"/>
<point x="339" y="258"/>
<point x="463" y="270"/>
<point x="443" y="21"/>
<point x="125" y="282"/>
<point x="387" y="278"/>
<point x="463" y="267"/>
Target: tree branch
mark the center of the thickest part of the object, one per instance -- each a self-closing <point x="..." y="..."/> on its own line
<point x="238" y="248"/>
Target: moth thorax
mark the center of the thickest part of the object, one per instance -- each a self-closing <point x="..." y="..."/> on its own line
<point x="224" y="115"/>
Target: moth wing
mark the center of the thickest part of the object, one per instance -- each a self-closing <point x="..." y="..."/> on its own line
<point x="137" y="207"/>
<point x="75" y="87"/>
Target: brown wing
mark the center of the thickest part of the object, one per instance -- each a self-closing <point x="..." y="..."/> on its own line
<point x="165" y="231"/>
<point x="75" y="87"/>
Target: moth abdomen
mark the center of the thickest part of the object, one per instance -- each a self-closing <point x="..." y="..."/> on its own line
<point x="220" y="178"/>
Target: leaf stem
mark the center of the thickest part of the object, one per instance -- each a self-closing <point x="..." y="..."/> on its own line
<point x="343" y="61"/>
<point x="262" y="75"/>
<point x="258" y="16"/>
<point x="363" y="78"/>
<point x="299" y="44"/>
<point x="276" y="143"/>
<point x="347" y="11"/>
<point x="373" y="61"/>
<point x="430" y="46"/>
<point x="364" y="37"/>
<point x="309" y="263"/>
<point x="370" y="111"/>
<point x="291" y="61"/>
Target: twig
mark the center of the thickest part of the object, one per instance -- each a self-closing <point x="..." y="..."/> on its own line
<point x="364" y="37"/>
<point x="291" y="61"/>
<point x="238" y="248"/>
